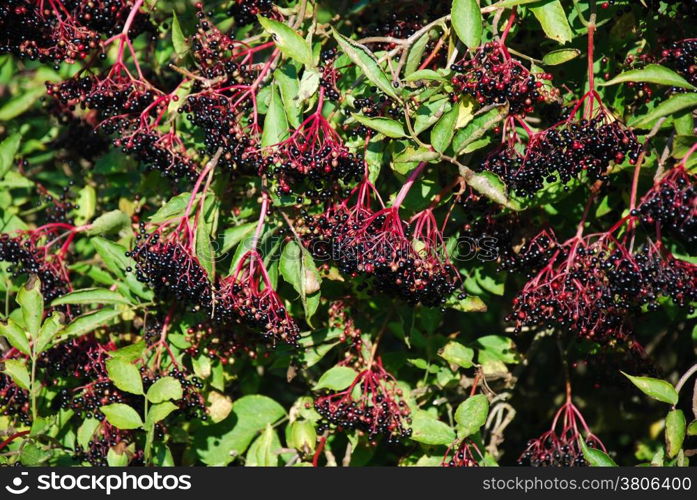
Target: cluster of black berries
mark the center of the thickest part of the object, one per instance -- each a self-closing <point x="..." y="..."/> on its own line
<point x="83" y="358"/>
<point x="672" y="205"/>
<point x="681" y="56"/>
<point x="220" y="122"/>
<point x="562" y="153"/>
<point x="531" y="256"/>
<point x="491" y="76"/>
<point x="591" y="289"/>
<point x="57" y="209"/>
<point x="64" y="30"/>
<point x="28" y="258"/>
<point x="80" y="139"/>
<point x="379" y="411"/>
<point x="246" y="11"/>
<point x="247" y="297"/>
<point x="14" y="401"/>
<point x="106" y="437"/>
<point x="191" y="403"/>
<point x="463" y="454"/>
<point x="379" y="246"/>
<point x="172" y="271"/>
<point x="159" y="153"/>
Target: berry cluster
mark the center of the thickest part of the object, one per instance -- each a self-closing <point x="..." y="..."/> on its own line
<point x="407" y="261"/>
<point x="63" y="30"/>
<point x="191" y="403"/>
<point x="492" y="77"/>
<point x="560" y="446"/>
<point x="247" y="297"/>
<point x="378" y="410"/>
<point x="671" y="205"/>
<point x="314" y="154"/>
<point x="14" y="401"/>
<point x="83" y="358"/>
<point x="106" y="437"/>
<point x="462" y="454"/>
<point x="246" y="11"/>
<point x="562" y="153"/>
<point x="590" y="286"/>
<point x="28" y="255"/>
<point x="681" y="56"/>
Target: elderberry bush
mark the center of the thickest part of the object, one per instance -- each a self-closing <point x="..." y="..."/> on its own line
<point x="380" y="233"/>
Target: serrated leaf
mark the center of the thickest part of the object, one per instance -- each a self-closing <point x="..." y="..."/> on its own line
<point x="429" y="430"/>
<point x="692" y="428"/>
<point x="32" y="303"/>
<point x="386" y="126"/>
<point x="471" y="415"/>
<point x="16" y="336"/>
<point x="416" y="53"/>
<point x="457" y="354"/>
<point x="286" y="77"/>
<point x="552" y="18"/>
<point x="366" y="61"/>
<point x="671" y="105"/>
<point x="234" y="235"/>
<point x="275" y="122"/>
<point x="675" y="432"/>
<point x="298" y="268"/>
<point x="88" y="322"/>
<point x="87" y="203"/>
<point x="159" y="412"/>
<point x="91" y="296"/>
<point x="178" y="38"/>
<point x="51" y="327"/>
<point x="336" y="378"/>
<point x="165" y="388"/>
<point x="8" y="149"/>
<point x="124" y="375"/>
<point x="263" y="452"/>
<point x="174" y="207"/>
<point x="444" y="130"/>
<point x="657" y="389"/>
<point x="122" y="416"/>
<point x="22" y="102"/>
<point x="651" y="73"/>
<point x="109" y="222"/>
<point x="17" y="369"/>
<point x="309" y="83"/>
<point x="560" y="56"/>
<point x="467" y="22"/>
<point x="86" y="431"/>
<point x="470" y="303"/>
<point x="596" y="457"/>
<point x="288" y="41"/>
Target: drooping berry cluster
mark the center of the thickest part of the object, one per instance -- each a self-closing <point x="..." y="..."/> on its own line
<point x="14" y="401"/>
<point x="378" y="410"/>
<point x="492" y="77"/>
<point x="681" y="56"/>
<point x="246" y="11"/>
<point x="407" y="261"/>
<point x="29" y="253"/>
<point x="105" y="437"/>
<point x="247" y="297"/>
<point x="562" y="153"/>
<point x="83" y="358"/>
<point x="463" y="454"/>
<point x="63" y="30"/>
<point x="560" y="446"/>
<point x="671" y="205"/>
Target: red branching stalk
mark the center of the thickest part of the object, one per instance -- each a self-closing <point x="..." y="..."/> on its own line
<point x="464" y="453"/>
<point x="560" y="446"/>
<point x="372" y="404"/>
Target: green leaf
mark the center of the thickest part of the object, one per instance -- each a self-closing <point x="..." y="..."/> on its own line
<point x="116" y="459"/>
<point x="336" y="378"/>
<point x="263" y="452"/>
<point x="32" y="302"/>
<point x="560" y="56"/>
<point x="497" y="348"/>
<point x="655" y="388"/>
<point x="298" y="268"/>
<point x="8" y="150"/>
<point x="475" y="129"/>
<point x="675" y="432"/>
<point x="87" y="205"/>
<point x="20" y="103"/>
<point x="366" y="62"/>
<point x="386" y="126"/>
<point x="444" y="130"/>
<point x="651" y="73"/>
<point x="301" y="435"/>
<point x="275" y="122"/>
<point x="467" y="22"/>
<point x="429" y="430"/>
<point x="52" y="325"/>
<point x="88" y="322"/>
<point x="471" y="415"/>
<point x="16" y="336"/>
<point x="457" y="354"/>
<point x="668" y="107"/>
<point x="114" y="257"/>
<point x="309" y="83"/>
<point x="124" y="375"/>
<point x="174" y="207"/>
<point x="234" y="235"/>
<point x="86" y="431"/>
<point x="470" y="303"/>
<point x="416" y="53"/>
<point x="158" y="412"/>
<point x="32" y="455"/>
<point x="204" y="247"/>
<point x="288" y="41"/>
<point x="164" y="389"/>
<point x="109" y="222"/>
<point x="286" y="77"/>
<point x="692" y="428"/>
<point x="425" y="74"/>
<point x="122" y="416"/>
<point x="220" y="443"/>
<point x="17" y="369"/>
<point x="552" y="18"/>
<point x="91" y="296"/>
<point x="595" y="457"/>
<point x="178" y="38"/>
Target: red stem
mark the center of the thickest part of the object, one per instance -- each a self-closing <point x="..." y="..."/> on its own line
<point x="12" y="438"/>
